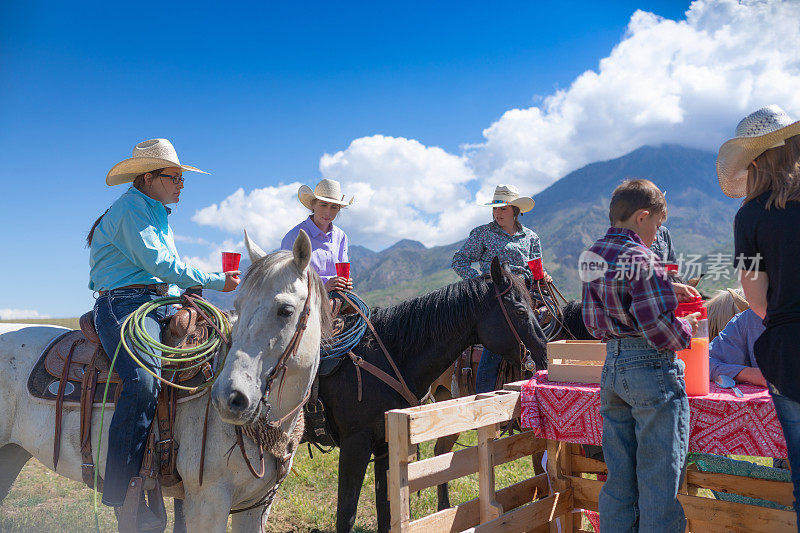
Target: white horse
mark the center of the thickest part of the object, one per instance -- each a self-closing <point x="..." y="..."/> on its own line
<point x="269" y="304"/>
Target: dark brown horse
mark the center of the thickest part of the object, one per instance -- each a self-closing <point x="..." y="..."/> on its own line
<point x="459" y="379"/>
<point x="424" y="336"/>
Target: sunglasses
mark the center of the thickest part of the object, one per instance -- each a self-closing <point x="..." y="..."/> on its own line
<point x="175" y="179"/>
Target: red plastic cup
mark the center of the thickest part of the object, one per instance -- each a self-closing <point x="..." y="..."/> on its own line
<point x="671" y="267"/>
<point x="536" y="268"/>
<point x="230" y="261"/>
<point x="343" y="270"/>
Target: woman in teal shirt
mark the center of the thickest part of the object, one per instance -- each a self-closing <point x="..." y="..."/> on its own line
<point x="512" y="243"/>
<point x="133" y="260"/>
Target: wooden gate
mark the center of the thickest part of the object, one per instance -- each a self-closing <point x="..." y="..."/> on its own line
<point x="524" y="506"/>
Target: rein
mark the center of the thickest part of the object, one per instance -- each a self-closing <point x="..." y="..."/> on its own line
<point x="399" y="384"/>
<point x="524" y="353"/>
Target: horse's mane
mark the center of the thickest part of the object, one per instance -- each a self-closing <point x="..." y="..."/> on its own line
<point x="721" y="309"/>
<point x="269" y="266"/>
<point x="409" y="326"/>
<point x="573" y="320"/>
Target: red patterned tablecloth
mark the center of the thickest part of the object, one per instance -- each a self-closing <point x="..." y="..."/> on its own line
<point x="720" y="422"/>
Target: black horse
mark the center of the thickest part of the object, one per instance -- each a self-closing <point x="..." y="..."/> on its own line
<point x="424" y="336"/>
<point x="573" y="328"/>
<point x="573" y="322"/>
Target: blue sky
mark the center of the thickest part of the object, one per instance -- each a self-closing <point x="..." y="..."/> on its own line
<point x="257" y="93"/>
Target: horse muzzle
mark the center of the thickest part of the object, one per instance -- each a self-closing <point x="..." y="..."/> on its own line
<point x="234" y="405"/>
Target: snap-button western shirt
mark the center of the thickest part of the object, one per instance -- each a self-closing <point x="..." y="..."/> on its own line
<point x="133" y="244"/>
<point x="489" y="240"/>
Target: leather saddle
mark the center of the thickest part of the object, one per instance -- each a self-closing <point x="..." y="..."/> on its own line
<point x="62" y="368"/>
<point x="73" y="371"/>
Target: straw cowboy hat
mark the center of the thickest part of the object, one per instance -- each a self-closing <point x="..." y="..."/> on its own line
<point x="326" y="191"/>
<point x="147" y="156"/>
<point x="509" y="195"/>
<point x="766" y="128"/>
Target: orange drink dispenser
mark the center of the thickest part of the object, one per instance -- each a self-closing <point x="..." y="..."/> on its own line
<point x="696" y="355"/>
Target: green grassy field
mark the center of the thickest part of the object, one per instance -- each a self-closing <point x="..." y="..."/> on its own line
<point x="41" y="501"/>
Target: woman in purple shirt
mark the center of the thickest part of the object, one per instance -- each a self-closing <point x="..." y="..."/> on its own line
<point x="328" y="242"/>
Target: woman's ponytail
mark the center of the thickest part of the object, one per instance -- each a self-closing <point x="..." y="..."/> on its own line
<point x="94" y="226"/>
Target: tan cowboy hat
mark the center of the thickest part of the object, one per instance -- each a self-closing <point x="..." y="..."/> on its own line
<point x="741" y="302"/>
<point x="147" y="156"/>
<point x="509" y="195"/>
<point x="326" y="191"/>
<point x="759" y="131"/>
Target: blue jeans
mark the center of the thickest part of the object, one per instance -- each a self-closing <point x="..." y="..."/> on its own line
<point x="788" y="412"/>
<point x="488" y="369"/>
<point x="645" y="437"/>
<point x="136" y="406"/>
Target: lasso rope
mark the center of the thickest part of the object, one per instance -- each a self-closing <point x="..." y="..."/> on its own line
<point x="133" y="327"/>
<point x="342" y="343"/>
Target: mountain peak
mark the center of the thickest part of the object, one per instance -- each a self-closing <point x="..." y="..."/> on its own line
<point x="406" y="244"/>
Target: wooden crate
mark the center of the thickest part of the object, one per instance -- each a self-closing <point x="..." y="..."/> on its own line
<point x="578" y="361"/>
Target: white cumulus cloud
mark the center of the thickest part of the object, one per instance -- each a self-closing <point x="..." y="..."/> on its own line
<point x="687" y="82"/>
<point x="212" y="262"/>
<point x="16" y="314"/>
<point x="403" y="189"/>
<point x="267" y="214"/>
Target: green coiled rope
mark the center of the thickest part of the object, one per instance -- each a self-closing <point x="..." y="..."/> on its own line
<point x="133" y="329"/>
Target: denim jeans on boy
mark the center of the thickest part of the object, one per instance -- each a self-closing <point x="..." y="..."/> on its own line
<point x="488" y="368"/>
<point x="788" y="412"/>
<point x="136" y="406"/>
<point x="645" y="437"/>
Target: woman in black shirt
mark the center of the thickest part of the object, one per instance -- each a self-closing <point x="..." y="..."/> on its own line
<point x="762" y="163"/>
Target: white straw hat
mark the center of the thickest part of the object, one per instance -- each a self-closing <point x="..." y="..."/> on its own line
<point x="759" y="131"/>
<point x="147" y="156"/>
<point x="509" y="195"/>
<point x="326" y="191"/>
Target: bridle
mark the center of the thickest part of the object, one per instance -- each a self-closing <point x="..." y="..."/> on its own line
<point x="525" y="359"/>
<point x="289" y="351"/>
<point x="280" y="367"/>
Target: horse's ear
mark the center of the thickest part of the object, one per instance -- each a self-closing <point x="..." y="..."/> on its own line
<point x="302" y="250"/>
<point x="528" y="282"/>
<point x="741" y="302"/>
<point x="497" y="272"/>
<point x="253" y="249"/>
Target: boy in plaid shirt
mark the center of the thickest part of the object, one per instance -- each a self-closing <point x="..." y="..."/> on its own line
<point x="631" y="306"/>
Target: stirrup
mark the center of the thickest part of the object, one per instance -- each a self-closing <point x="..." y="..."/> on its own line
<point x="129" y="519"/>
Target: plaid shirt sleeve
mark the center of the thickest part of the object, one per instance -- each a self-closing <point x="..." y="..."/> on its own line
<point x="653" y="307"/>
<point x="591" y="312"/>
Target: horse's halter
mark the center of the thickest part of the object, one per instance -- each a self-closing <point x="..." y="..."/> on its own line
<point x="291" y="350"/>
<point x="528" y="362"/>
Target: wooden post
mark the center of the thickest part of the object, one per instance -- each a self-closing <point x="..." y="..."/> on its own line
<point x="559" y="465"/>
<point x="401" y="452"/>
<point x="490" y="509"/>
